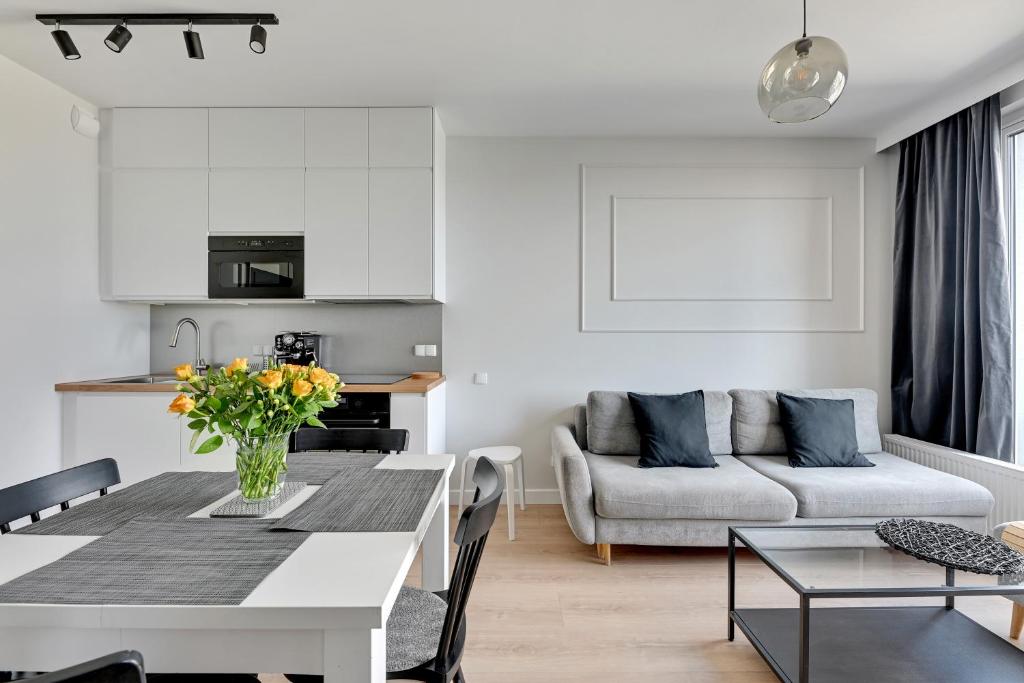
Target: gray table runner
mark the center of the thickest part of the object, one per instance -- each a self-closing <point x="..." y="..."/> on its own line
<point x="171" y="495"/>
<point x="317" y="468"/>
<point x="176" y="495"/>
<point x="360" y="499"/>
<point x="158" y="562"/>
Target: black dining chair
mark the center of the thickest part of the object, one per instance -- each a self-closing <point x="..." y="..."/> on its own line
<point x="352" y="440"/>
<point x="30" y="498"/>
<point x="119" y="667"/>
<point x="426" y="632"/>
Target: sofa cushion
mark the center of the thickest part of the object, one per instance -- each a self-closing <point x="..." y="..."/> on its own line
<point x="755" y="423"/>
<point x="611" y="429"/>
<point x="894" y="487"/>
<point x="730" y="491"/>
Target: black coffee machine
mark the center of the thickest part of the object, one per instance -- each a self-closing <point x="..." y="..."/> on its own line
<point x="299" y="348"/>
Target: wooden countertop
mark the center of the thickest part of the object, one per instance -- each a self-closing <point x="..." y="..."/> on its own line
<point x="416" y="383"/>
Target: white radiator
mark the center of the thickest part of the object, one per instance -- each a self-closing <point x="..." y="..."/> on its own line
<point x="1003" y="479"/>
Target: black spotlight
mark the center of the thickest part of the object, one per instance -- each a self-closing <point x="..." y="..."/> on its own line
<point x="64" y="42"/>
<point x="258" y="39"/>
<point x="118" y="37"/>
<point x="193" y="44"/>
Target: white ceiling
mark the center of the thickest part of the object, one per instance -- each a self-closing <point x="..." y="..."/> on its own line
<point x="535" y="67"/>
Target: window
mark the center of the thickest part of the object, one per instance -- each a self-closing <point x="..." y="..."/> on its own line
<point x="1013" y="187"/>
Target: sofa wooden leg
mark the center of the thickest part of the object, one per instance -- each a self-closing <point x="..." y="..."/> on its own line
<point x="604" y="552"/>
<point x="1017" y="620"/>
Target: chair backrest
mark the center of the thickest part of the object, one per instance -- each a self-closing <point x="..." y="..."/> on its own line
<point x="120" y="667"/>
<point x="471" y="536"/>
<point x="362" y="440"/>
<point x="30" y="498"/>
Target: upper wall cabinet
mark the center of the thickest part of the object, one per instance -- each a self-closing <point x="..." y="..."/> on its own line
<point x="337" y="138"/>
<point x="401" y="137"/>
<point x="364" y="185"/>
<point x="157" y="138"/>
<point x="257" y="138"/>
<point x="154" y="233"/>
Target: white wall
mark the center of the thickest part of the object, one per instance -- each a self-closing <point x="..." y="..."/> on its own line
<point x="513" y="292"/>
<point x="54" y="328"/>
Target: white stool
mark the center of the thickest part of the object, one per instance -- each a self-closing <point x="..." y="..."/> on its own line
<point x="511" y="457"/>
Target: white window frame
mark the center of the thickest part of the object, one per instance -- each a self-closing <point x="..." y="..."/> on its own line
<point x="1013" y="125"/>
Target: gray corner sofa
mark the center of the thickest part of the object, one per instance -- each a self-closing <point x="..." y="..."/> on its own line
<point x="608" y="499"/>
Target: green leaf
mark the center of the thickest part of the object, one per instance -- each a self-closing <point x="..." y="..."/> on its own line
<point x="210" y="445"/>
<point x="254" y="421"/>
<point x="213" y="402"/>
<point x="197" y="424"/>
<point x="329" y="404"/>
<point x="195" y="439"/>
<point x="312" y="421"/>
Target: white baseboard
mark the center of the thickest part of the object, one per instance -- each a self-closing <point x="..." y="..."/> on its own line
<point x="538" y="496"/>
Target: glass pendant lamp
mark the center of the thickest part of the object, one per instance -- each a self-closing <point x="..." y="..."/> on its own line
<point x="802" y="80"/>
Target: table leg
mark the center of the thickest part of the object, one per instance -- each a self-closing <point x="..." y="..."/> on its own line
<point x="435" y="549"/>
<point x="950" y="581"/>
<point x="732" y="584"/>
<point x="355" y="656"/>
<point x="805" y="639"/>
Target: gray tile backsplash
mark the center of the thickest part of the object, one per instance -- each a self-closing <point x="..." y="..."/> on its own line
<point x="360" y="338"/>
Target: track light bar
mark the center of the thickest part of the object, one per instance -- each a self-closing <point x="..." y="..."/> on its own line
<point x="199" y="19"/>
<point x="120" y="35"/>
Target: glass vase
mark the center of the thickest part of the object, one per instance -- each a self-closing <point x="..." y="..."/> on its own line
<point x="261" y="466"/>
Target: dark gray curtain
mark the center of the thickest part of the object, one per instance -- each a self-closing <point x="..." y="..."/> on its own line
<point x="952" y="381"/>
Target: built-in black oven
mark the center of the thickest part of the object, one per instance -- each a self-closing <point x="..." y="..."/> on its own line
<point x="359" y="410"/>
<point x="255" y="267"/>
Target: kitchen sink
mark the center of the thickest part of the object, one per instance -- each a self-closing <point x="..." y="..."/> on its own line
<point x="143" y="379"/>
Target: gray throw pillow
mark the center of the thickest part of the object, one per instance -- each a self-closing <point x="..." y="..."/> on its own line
<point x="820" y="432"/>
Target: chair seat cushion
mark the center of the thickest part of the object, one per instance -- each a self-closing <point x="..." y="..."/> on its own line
<point x="414" y="628"/>
<point x="730" y="491"/>
<point x="894" y="487"/>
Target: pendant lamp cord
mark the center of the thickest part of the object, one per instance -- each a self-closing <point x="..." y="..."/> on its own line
<point x="805" y="18"/>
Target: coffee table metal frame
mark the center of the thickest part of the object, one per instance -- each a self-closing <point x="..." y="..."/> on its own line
<point x="949" y="592"/>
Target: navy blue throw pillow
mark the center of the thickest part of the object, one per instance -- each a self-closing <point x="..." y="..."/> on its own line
<point x="673" y="432"/>
<point x="820" y="432"/>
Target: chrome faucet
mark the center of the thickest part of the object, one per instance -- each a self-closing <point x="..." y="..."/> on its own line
<point x="199" y="365"/>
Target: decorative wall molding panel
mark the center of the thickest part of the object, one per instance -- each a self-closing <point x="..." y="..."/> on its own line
<point x="721" y="249"/>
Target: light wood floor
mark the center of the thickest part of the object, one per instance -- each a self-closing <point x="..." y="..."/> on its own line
<point x="545" y="609"/>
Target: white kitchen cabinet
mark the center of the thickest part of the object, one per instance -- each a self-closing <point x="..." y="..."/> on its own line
<point x="373" y="213"/>
<point x="155" y="231"/>
<point x="257" y="138"/>
<point x="337" y="233"/>
<point x="263" y="200"/>
<point x="401" y="232"/>
<point x="135" y="429"/>
<point x="159" y="138"/>
<point x="132" y="428"/>
<point x="401" y="137"/>
<point x="337" y="138"/>
<point x="424" y="416"/>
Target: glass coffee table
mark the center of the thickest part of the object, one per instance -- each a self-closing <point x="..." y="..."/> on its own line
<point x="880" y="642"/>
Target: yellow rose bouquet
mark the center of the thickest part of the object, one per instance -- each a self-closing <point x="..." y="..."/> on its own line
<point x="258" y="411"/>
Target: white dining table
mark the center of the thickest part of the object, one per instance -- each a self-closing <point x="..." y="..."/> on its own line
<point x="322" y="611"/>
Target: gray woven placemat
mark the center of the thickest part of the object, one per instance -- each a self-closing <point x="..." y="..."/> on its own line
<point x="319" y="467"/>
<point x="172" y="495"/>
<point x="239" y="507"/>
<point x="361" y="499"/>
<point x="158" y="562"/>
